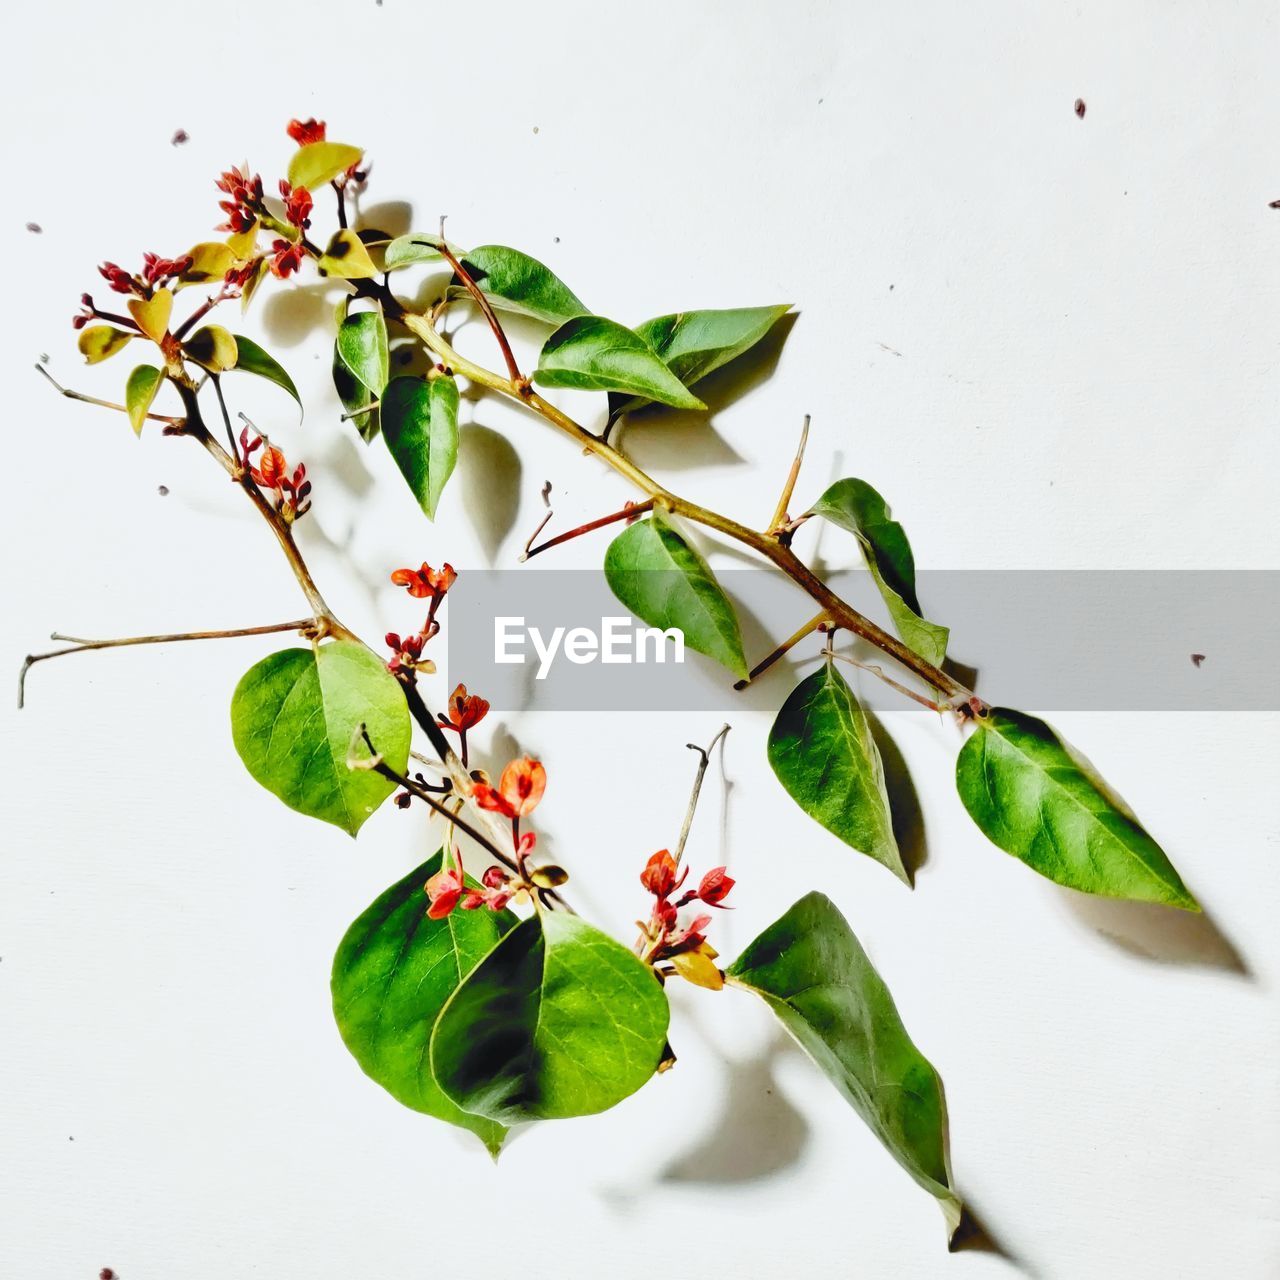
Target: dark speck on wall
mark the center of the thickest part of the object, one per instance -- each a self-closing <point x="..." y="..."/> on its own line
<point x="163" y="490"/>
<point x="1197" y="658"/>
<point x="1275" y="204"/>
<point x="179" y="137"/>
<point x="1080" y="108"/>
<point x="107" y="1274"/>
<point x="35" y="228"/>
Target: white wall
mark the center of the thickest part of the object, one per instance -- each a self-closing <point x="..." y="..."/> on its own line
<point x="1086" y="321"/>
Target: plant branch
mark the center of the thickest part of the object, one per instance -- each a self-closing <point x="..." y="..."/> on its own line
<point x="880" y="674"/>
<point x="780" y="516"/>
<point x="631" y="510"/>
<point x="513" y="369"/>
<point x="102" y="404"/>
<point x="704" y="759"/>
<point x="789" y="643"/>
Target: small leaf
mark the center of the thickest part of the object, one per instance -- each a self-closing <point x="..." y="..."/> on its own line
<point x="663" y="580"/>
<point x="244" y="243"/>
<point x="152" y="314"/>
<point x="139" y="392"/>
<point x="251" y="358"/>
<point x="362" y="346"/>
<point x="698" y="968"/>
<point x="213" y="347"/>
<point x="822" y="750"/>
<point x="293" y="717"/>
<point x="813" y="973"/>
<point x="557" y="1020"/>
<point x="594" y="354"/>
<point x="354" y="395"/>
<point x="1036" y="798"/>
<point x="393" y="971"/>
<point x="320" y="162"/>
<point x="516" y="282"/>
<point x="420" y="426"/>
<point x="414" y="248"/>
<point x="101" y="341"/>
<point x="346" y="257"/>
<point x="260" y="272"/>
<point x="854" y="505"/>
<point x="210" y="261"/>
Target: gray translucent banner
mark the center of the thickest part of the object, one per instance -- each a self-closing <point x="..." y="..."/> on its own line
<point x="1042" y="641"/>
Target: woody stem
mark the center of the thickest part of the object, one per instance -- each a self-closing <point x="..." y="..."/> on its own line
<point x="704" y="759"/>
<point x="789" y="643"/>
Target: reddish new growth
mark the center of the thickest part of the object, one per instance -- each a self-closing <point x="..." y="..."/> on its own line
<point x="448" y="889"/>
<point x="422" y="584"/>
<point x="663" y="937"/>
<point x="271" y="473"/>
<point x="465" y="712"/>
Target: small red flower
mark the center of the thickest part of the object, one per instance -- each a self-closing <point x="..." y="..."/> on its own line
<point x="157" y="270"/>
<point x="118" y="278"/>
<point x="286" y="258"/>
<point x="237" y="277"/>
<point x="407" y="655"/>
<point x="305" y="132"/>
<point x="425" y="583"/>
<point x="518" y="792"/>
<point x="297" y="204"/>
<point x="271" y="468"/>
<point x="659" y="874"/>
<point x="445" y="889"/>
<point x="245" y="203"/>
<point x="690" y="939"/>
<point x="714" y="886"/>
<point x="466" y="710"/>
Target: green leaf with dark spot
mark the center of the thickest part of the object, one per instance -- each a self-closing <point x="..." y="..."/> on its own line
<point x="854" y="505"/>
<point x="393" y="971"/>
<point x="663" y="580"/>
<point x="140" y="392"/>
<point x="213" y="347"/>
<point x="557" y="1020"/>
<point x="412" y="249"/>
<point x="1038" y="799"/>
<point x="823" y="752"/>
<point x="101" y="341"/>
<point x="294" y="716"/>
<point x="346" y="258"/>
<point x="516" y="282"/>
<point x="812" y="972"/>
<point x="595" y="354"/>
<point x="320" y="162"/>
<point x="420" y="426"/>
<point x="253" y="359"/>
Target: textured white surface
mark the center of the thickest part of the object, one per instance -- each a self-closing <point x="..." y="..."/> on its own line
<point x="1085" y="312"/>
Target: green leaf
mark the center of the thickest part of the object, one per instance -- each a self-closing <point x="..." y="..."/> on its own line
<point x="420" y="426"/>
<point x="346" y="258"/>
<point x="320" y="162"/>
<point x="210" y="261"/>
<point x="557" y="1020"/>
<point x="594" y="354"/>
<point x="293" y="718"/>
<point x="393" y="971"/>
<point x="854" y="505"/>
<point x="663" y="580"/>
<point x="213" y="347"/>
<point x="813" y="973"/>
<point x="516" y="282"/>
<point x="251" y="358"/>
<point x="362" y="346"/>
<point x="414" y="248"/>
<point x="355" y="395"/>
<point x="101" y="341"/>
<point x="139" y="392"/>
<point x="822" y="750"/>
<point x="1038" y="799"/>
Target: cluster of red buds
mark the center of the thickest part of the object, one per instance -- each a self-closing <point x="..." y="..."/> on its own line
<point x="156" y="273"/>
<point x="422" y="584"/>
<point x="245" y="206"/>
<point x="662" y="937"/>
<point x="305" y="132"/>
<point x="448" y="889"/>
<point x="466" y="710"/>
<point x="271" y="472"/>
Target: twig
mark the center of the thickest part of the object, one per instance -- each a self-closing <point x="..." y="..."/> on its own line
<point x="513" y="369"/>
<point x="790" y="642"/>
<point x="704" y="754"/>
<point x="631" y="510"/>
<point x="102" y="404"/>
<point x="780" y="517"/>
<point x="880" y="674"/>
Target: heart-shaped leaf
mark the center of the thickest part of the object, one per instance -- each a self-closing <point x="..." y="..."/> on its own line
<point x="213" y="347"/>
<point x="663" y="580"/>
<point x="320" y="162"/>
<point x="813" y="973"/>
<point x="152" y="314"/>
<point x="516" y="282"/>
<point x="210" y="261"/>
<point x="854" y="505"/>
<point x="595" y="354"/>
<point x="393" y="971"/>
<point x="139" y="392"/>
<point x="346" y="257"/>
<point x="101" y="341"/>
<point x="822" y="750"/>
<point x="420" y="426"/>
<point x="293" y="718"/>
<point x="1036" y="798"/>
<point x="557" y="1020"/>
<point x="251" y="358"/>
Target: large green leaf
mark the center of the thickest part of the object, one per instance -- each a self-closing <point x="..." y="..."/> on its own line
<point x="516" y="282"/>
<point x="557" y="1020"/>
<point x="420" y="426"/>
<point x="393" y="971"/>
<point x="293" y="717"/>
<point x="139" y="394"/>
<point x="663" y="580"/>
<point x="813" y="973"/>
<point x="822" y="750"/>
<point x="362" y="346"/>
<point x="253" y="359"/>
<point x="1038" y="799"/>
<point x="854" y="505"/>
<point x="595" y="354"/>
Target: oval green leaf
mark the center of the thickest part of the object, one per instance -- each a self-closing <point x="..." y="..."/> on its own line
<point x="139" y="392"/>
<point x="393" y="971"/>
<point x="346" y="257"/>
<point x="595" y="354"/>
<point x="810" y="969"/>
<point x="320" y="162"/>
<point x="557" y="1020"/>
<point x="663" y="580"/>
<point x="854" y="505"/>
<point x="101" y="341"/>
<point x="213" y="347"/>
<point x="420" y="426"/>
<point x="362" y="347"/>
<point x="1036" y="798"/>
<point x="414" y="248"/>
<point x="693" y="344"/>
<point x="210" y="261"/>
<point x="516" y="282"/>
<point x="823" y="752"/>
<point x="293" y="717"/>
<point x="251" y="358"/>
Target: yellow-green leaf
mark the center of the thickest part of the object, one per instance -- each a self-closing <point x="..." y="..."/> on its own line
<point x="213" y="347"/>
<point x="346" y="257"/>
<point x="320" y="162"/>
<point x="152" y="314"/>
<point x="101" y="341"/>
<point x="243" y="243"/>
<point x="139" y="392"/>
<point x="210" y="261"/>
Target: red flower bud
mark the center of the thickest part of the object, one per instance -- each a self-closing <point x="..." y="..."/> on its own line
<point x="304" y="132"/>
<point x="659" y="874"/>
<point x="714" y="887"/>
